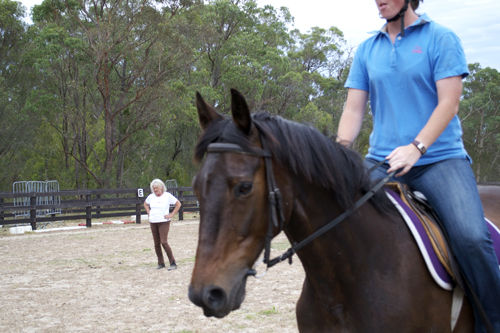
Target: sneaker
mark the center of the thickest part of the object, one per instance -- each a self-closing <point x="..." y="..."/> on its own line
<point x="173" y="266"/>
<point x="160" y="266"/>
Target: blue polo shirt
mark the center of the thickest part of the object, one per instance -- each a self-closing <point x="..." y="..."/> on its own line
<point x="401" y="81"/>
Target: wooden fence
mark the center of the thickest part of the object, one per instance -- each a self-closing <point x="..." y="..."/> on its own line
<point x="85" y="204"/>
<point x="89" y="204"/>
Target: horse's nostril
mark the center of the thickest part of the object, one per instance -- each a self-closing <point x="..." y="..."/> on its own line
<point x="214" y="298"/>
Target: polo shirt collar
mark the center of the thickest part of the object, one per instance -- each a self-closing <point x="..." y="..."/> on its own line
<point x="422" y="19"/>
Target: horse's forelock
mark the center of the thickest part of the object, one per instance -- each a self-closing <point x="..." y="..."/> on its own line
<point x="223" y="130"/>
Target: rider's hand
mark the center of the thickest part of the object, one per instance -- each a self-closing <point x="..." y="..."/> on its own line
<point x="403" y="157"/>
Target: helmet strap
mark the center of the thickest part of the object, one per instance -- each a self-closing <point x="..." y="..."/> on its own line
<point x="401" y="15"/>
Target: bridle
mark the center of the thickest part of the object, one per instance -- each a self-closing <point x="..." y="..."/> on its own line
<point x="276" y="215"/>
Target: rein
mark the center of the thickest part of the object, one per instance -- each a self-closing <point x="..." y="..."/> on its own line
<point x="297" y="246"/>
<point x="276" y="215"/>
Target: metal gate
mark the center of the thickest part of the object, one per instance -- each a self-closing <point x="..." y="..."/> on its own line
<point x="170" y="184"/>
<point x="39" y="187"/>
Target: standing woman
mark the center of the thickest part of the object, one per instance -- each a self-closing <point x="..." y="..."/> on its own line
<point x="157" y="205"/>
<point x="411" y="71"/>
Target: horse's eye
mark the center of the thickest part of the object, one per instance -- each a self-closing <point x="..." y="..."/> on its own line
<point x="242" y="189"/>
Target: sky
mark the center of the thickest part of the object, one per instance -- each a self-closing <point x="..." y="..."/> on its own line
<point x="476" y="22"/>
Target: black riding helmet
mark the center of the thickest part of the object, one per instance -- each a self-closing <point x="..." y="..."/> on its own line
<point x="401" y="14"/>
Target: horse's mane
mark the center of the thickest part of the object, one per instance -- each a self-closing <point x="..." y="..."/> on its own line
<point x="307" y="153"/>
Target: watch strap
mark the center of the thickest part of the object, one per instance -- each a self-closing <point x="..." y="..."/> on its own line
<point x="420" y="146"/>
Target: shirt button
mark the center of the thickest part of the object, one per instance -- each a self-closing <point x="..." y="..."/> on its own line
<point x="392" y="50"/>
<point x="399" y="38"/>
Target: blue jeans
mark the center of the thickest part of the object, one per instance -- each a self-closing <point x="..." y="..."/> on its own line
<point x="451" y="189"/>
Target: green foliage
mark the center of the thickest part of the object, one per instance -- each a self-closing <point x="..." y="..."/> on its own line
<point x="18" y="127"/>
<point x="319" y="119"/>
<point x="101" y="94"/>
<point x="480" y="115"/>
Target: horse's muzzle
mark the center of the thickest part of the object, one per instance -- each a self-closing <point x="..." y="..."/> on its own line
<point x="213" y="300"/>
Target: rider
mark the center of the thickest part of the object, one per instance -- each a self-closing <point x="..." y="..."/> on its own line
<point x="413" y="81"/>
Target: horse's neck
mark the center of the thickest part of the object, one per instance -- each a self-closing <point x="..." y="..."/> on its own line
<point x="345" y="252"/>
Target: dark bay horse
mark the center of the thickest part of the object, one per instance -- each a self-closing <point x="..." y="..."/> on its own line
<point x="365" y="275"/>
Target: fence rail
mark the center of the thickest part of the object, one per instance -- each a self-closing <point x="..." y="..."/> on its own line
<point x="87" y="205"/>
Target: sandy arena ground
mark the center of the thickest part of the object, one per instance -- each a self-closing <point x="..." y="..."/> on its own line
<point x="103" y="279"/>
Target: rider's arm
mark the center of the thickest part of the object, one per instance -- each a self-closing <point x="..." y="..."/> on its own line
<point x="449" y="91"/>
<point x="352" y="116"/>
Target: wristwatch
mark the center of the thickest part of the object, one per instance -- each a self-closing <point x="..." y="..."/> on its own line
<point x="420" y="146"/>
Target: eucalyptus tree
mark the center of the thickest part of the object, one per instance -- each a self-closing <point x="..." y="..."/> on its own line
<point x="125" y="54"/>
<point x="16" y="129"/>
<point x="239" y="45"/>
<point x="480" y="115"/>
<point x="135" y="47"/>
<point x="319" y="59"/>
<point x="244" y="45"/>
<point x="63" y="94"/>
<point x="295" y="75"/>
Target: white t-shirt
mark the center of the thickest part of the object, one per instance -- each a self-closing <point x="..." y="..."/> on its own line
<point x="160" y="206"/>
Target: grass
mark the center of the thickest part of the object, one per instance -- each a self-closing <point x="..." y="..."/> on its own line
<point x="186" y="260"/>
<point x="269" y="312"/>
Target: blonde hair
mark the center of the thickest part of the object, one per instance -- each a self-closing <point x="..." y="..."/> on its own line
<point x="157" y="183"/>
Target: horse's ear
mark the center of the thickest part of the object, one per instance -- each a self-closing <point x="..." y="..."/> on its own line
<point x="206" y="113"/>
<point x="241" y="112"/>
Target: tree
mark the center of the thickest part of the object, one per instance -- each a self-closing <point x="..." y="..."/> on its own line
<point x="480" y="115"/>
<point x="320" y="59"/>
<point x="106" y="67"/>
<point x="17" y="127"/>
<point x="112" y="83"/>
<point x="64" y="96"/>
<point x="134" y="48"/>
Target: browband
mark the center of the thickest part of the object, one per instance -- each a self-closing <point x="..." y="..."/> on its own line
<point x="219" y="147"/>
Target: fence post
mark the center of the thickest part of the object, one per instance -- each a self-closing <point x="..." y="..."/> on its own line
<point x="138" y="195"/>
<point x="181" y="211"/>
<point x="98" y="201"/>
<point x="33" y="211"/>
<point x="89" y="209"/>
<point x="1" y="207"/>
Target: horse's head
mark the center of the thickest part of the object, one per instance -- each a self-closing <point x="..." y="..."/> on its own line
<point x="232" y="193"/>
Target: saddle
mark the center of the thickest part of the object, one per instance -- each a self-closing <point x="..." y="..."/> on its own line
<point x="434" y="247"/>
<point x="419" y="205"/>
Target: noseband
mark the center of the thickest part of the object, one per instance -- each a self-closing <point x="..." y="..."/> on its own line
<point x="276" y="216"/>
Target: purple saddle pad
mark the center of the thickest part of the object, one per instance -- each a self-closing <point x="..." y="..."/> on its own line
<point x="435" y="267"/>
